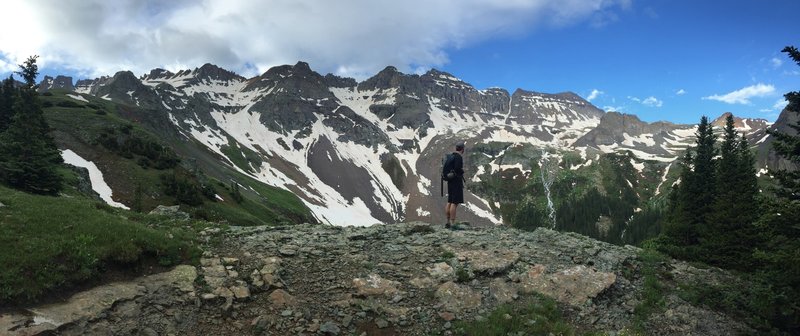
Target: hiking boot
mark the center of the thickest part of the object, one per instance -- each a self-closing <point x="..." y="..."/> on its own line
<point x="447" y="225"/>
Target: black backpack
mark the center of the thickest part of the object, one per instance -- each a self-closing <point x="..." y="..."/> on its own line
<point x="448" y="170"/>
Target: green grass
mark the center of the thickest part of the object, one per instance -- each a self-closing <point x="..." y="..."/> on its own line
<point x="242" y="157"/>
<point x="753" y="301"/>
<point x="653" y="292"/>
<point x="281" y="201"/>
<point x="447" y="255"/>
<point x="49" y="244"/>
<point x="539" y="317"/>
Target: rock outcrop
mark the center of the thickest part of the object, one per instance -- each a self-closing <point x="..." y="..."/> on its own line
<point x="399" y="279"/>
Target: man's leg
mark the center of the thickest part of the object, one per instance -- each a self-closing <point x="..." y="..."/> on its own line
<point x="452" y="215"/>
<point x="447" y="214"/>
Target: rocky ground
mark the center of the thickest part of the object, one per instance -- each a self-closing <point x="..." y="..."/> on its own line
<point x="398" y="279"/>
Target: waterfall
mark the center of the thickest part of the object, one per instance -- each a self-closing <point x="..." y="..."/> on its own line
<point x="549" y="170"/>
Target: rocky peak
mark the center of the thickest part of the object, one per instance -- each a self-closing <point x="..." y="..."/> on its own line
<point x="441" y="76"/>
<point x="124" y="80"/>
<point x="158" y="73"/>
<point x="213" y="72"/>
<point x="340" y="82"/>
<point x="621" y="131"/>
<point x="618" y="123"/>
<point x="746" y="125"/>
<point x="60" y="82"/>
<point x="496" y="91"/>
<point x="554" y="110"/>
<point x="296" y="79"/>
<point x="389" y="78"/>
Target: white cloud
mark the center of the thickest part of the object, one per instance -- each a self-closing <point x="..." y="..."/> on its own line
<point x="780" y="104"/>
<point x="649" y="101"/>
<point x="595" y="93"/>
<point x="613" y="108"/>
<point x="776" y="62"/>
<point x="743" y="95"/>
<point x="652" y="102"/>
<point x="680" y="92"/>
<point x="348" y="37"/>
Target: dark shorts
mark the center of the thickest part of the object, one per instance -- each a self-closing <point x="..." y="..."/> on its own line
<point x="455" y="192"/>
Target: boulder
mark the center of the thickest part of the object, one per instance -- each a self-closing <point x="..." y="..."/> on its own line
<point x="572" y="286"/>
<point x="374" y="285"/>
<point x="488" y="262"/>
<point x="170" y="211"/>
<point x="457" y="298"/>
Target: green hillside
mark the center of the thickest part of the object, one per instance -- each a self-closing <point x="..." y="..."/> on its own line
<point x="147" y="164"/>
<point x="48" y="244"/>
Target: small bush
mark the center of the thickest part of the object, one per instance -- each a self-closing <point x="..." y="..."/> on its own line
<point x="69" y="104"/>
<point x="448" y="255"/>
<point x="462" y="274"/>
<point x="541" y="317"/>
<point x="653" y="293"/>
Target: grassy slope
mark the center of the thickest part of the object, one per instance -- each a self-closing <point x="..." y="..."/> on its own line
<point x="49" y="243"/>
<point x="266" y="206"/>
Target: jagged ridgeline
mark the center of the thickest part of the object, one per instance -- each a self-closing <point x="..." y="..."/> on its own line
<point x="309" y="147"/>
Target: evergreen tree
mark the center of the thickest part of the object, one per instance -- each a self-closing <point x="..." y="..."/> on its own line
<point x="730" y="236"/>
<point x="787" y="145"/>
<point x="779" y="253"/>
<point x="687" y="224"/>
<point x="29" y="157"/>
<point x="7" y="94"/>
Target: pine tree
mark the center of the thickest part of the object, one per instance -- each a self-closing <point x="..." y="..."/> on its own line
<point x="7" y="95"/>
<point x="730" y="236"/>
<point x="29" y="157"/>
<point x="779" y="253"/>
<point x="787" y="145"/>
<point x="692" y="201"/>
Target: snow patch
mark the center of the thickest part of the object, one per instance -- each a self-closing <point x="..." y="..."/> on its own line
<point x="423" y="213"/>
<point x="99" y="185"/>
<point x="424" y="185"/>
<point x="483" y="213"/>
<point x="663" y="178"/>
<point x="77" y="97"/>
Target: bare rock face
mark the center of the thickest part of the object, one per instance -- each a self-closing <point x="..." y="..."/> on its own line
<point x="374" y="285"/>
<point x="280" y="298"/>
<point x="170" y="211"/>
<point x="503" y="291"/>
<point x="93" y="304"/>
<point x="489" y="262"/>
<point x="573" y="286"/>
<point x="457" y="298"/>
<point x="441" y="271"/>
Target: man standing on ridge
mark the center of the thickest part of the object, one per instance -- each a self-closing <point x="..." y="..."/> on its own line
<point x="455" y="185"/>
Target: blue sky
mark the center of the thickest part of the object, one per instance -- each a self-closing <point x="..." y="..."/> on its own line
<point x="659" y="59"/>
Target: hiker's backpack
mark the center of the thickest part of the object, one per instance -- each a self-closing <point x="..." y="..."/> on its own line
<point x="448" y="167"/>
<point x="448" y="170"/>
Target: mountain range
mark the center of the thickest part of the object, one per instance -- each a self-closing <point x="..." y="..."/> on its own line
<point x="360" y="153"/>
